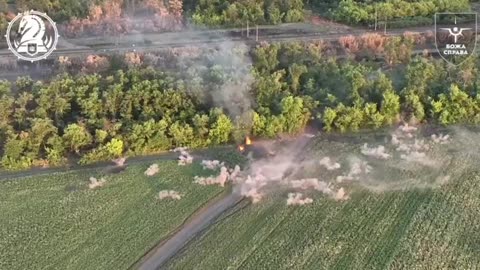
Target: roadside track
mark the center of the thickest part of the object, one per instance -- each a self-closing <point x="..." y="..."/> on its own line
<point x="153" y="42"/>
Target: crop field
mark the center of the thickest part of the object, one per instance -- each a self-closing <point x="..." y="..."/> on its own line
<point x="57" y="222"/>
<point x="414" y="228"/>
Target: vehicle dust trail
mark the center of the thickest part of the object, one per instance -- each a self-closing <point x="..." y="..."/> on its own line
<point x="199" y="222"/>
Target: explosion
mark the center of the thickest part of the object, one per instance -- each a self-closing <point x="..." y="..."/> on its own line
<point x="296" y="199"/>
<point x="248" y="141"/>
<point x="152" y="170"/>
<point x="185" y="158"/>
<point x="169" y="194"/>
<point x="212" y="164"/>
<point x="94" y="183"/>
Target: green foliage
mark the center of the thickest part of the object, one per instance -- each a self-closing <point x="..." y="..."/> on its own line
<point x="221" y="130"/>
<point x="142" y="110"/>
<point x="55" y="149"/>
<point x="295" y="116"/>
<point x="363" y="12"/>
<point x="113" y="149"/>
<point x="15" y="156"/>
<point x="413" y="107"/>
<point x="76" y="137"/>
<point x="3" y="23"/>
<point x="238" y="13"/>
<point x="59" y="10"/>
<point x="455" y="107"/>
<point x="390" y="107"/>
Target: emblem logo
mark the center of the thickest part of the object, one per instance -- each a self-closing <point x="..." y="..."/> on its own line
<point x="32" y="36"/>
<point x="455" y="36"/>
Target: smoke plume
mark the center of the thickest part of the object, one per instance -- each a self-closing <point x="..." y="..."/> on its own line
<point x="94" y="183"/>
<point x="185" y="158"/>
<point x="169" y="194"/>
<point x="152" y="170"/>
<point x="212" y="164"/>
<point x="296" y="199"/>
<point x="408" y="158"/>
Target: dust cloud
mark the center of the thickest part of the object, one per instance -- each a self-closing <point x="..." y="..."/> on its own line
<point x="95" y="183"/>
<point x="152" y="170"/>
<point x="409" y="157"/>
<point x="185" y="158"/>
<point x="169" y="194"/>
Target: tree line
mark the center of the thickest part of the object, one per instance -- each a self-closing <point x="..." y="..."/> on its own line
<point x="364" y="12"/>
<point x="239" y="13"/>
<point x="142" y="110"/>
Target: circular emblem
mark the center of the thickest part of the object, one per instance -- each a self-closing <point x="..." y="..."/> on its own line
<point x="32" y="36"/>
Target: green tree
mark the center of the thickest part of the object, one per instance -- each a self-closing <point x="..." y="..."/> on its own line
<point x="259" y="124"/>
<point x="221" y="130"/>
<point x="455" y="107"/>
<point x="14" y="154"/>
<point x="6" y="103"/>
<point x="114" y="148"/>
<point x="373" y="118"/>
<point x="76" y="137"/>
<point x="413" y="107"/>
<point x="295" y="71"/>
<point x="294" y="114"/>
<point x="266" y="58"/>
<point x="390" y="108"/>
<point x="329" y="116"/>
<point x="181" y="134"/>
<point x="55" y="150"/>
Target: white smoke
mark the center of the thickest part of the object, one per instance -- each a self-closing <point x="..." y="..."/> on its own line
<point x="311" y="183"/>
<point x="405" y="128"/>
<point x="280" y="171"/>
<point x="297" y="199"/>
<point x="377" y="152"/>
<point x="152" y="170"/>
<point x="212" y="164"/>
<point x="179" y="149"/>
<point x="358" y="169"/>
<point x="417" y="163"/>
<point x="120" y="161"/>
<point x="440" y="138"/>
<point x="185" y="158"/>
<point x="94" y="183"/>
<point x="169" y="194"/>
<point x="251" y="189"/>
<point x="329" y="164"/>
<point x="221" y="179"/>
<point x="227" y="67"/>
<point x="234" y="174"/>
<point x="340" y="195"/>
<point x="395" y="140"/>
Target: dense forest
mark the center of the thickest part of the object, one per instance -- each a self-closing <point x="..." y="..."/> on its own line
<point x="123" y="16"/>
<point x="364" y="12"/>
<point x="134" y="105"/>
<point x="238" y="13"/>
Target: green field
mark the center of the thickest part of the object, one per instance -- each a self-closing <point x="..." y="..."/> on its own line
<point x="413" y="229"/>
<point x="57" y="222"/>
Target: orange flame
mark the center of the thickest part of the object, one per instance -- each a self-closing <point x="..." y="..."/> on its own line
<point x="241" y="148"/>
<point x="248" y="141"/>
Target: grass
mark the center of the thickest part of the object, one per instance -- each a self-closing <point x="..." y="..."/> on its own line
<point x="413" y="229"/>
<point x="57" y="222"/>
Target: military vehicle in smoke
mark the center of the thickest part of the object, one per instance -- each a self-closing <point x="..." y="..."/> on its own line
<point x="255" y="150"/>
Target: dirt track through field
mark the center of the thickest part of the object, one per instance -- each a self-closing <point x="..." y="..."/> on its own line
<point x="199" y="222"/>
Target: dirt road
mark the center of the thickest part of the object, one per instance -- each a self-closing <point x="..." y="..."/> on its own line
<point x="192" y="227"/>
